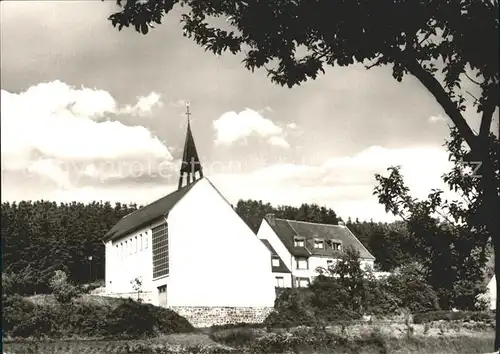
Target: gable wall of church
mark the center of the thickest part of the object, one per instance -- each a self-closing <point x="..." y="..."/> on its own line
<point x="216" y="259"/>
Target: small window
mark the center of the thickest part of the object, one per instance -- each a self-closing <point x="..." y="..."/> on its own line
<point x="299" y="242"/>
<point x="162" y="289"/>
<point x="302" y="263"/>
<point x="319" y="244"/>
<point x="275" y="262"/>
<point x="302" y="282"/>
<point x="280" y="283"/>
<point x="335" y="245"/>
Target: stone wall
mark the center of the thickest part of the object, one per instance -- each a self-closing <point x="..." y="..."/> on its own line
<point x="211" y="316"/>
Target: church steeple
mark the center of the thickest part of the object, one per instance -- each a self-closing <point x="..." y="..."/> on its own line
<point x="190" y="160"/>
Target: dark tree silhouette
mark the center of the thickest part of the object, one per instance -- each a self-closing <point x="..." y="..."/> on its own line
<point x="453" y="248"/>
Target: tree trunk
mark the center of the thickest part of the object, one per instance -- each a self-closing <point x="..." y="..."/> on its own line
<point x="496" y="247"/>
<point x="491" y="200"/>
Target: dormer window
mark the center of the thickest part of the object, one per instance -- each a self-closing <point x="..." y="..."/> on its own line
<point x="336" y="245"/>
<point x="320" y="244"/>
<point x="299" y="241"/>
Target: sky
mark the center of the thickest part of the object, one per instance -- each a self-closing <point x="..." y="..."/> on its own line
<point x="90" y="113"/>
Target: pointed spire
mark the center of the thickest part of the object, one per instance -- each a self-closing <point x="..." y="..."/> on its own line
<point x="190" y="160"/>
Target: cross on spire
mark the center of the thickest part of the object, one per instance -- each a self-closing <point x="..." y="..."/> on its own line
<point x="190" y="160"/>
<point x="188" y="114"/>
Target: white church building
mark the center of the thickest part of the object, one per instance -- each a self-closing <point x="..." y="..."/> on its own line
<point x="192" y="253"/>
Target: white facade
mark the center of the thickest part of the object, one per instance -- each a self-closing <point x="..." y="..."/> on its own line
<point x="282" y="280"/>
<point x="214" y="257"/>
<point x="492" y="292"/>
<point x="128" y="258"/>
<point x="304" y="269"/>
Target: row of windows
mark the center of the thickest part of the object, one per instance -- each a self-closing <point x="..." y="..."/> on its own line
<point x="131" y="246"/>
<point x="303" y="262"/>
<point x="300" y="262"/>
<point x="299" y="282"/>
<point x="319" y="243"/>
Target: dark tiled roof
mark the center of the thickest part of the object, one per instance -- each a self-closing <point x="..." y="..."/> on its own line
<point x="148" y="214"/>
<point x="286" y="230"/>
<point x="286" y="233"/>
<point x="282" y="268"/>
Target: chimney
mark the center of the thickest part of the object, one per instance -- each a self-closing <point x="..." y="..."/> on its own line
<point x="341" y="223"/>
<point x="271" y="219"/>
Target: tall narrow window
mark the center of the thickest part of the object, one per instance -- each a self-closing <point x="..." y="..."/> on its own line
<point x="280" y="282"/>
<point x="160" y="251"/>
<point x="136" y="246"/>
<point x="141" y="240"/>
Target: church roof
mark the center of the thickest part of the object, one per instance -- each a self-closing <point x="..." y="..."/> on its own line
<point x="287" y="230"/>
<point x="282" y="268"/>
<point x="190" y="159"/>
<point x="148" y="214"/>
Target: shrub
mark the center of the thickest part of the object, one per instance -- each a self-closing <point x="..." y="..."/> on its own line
<point x="464" y="316"/>
<point x="236" y="336"/>
<point x="129" y="320"/>
<point x="381" y="299"/>
<point x="483" y="301"/>
<point x="42" y="322"/>
<point x="132" y="319"/>
<point x="331" y="301"/>
<point x="292" y="308"/>
<point x="16" y="310"/>
<point x="64" y="292"/>
<point x="314" y="339"/>
<point x="86" y="319"/>
<point x="236" y="325"/>
<point x="415" y="294"/>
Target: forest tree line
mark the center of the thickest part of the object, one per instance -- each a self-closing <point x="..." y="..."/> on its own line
<point x="42" y="237"/>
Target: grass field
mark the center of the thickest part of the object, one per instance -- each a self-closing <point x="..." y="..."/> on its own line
<point x="201" y="343"/>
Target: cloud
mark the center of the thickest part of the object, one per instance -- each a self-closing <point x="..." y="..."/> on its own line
<point x="435" y="119"/>
<point x="144" y="105"/>
<point x="292" y="125"/>
<point x="278" y="141"/>
<point x="343" y="183"/>
<point x="50" y="130"/>
<point x="232" y="127"/>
